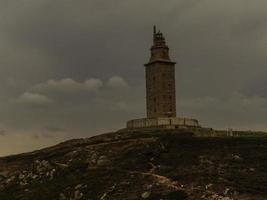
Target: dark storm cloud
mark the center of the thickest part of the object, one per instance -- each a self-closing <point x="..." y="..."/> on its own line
<point x="81" y="38"/>
<point x="78" y="65"/>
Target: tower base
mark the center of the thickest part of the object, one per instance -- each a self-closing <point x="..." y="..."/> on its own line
<point x="163" y="122"/>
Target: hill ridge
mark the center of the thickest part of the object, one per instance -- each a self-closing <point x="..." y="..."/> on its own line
<point x="151" y="164"/>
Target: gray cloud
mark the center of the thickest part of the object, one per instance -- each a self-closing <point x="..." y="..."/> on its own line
<point x="78" y="107"/>
<point x="117" y="82"/>
<point x="3" y="132"/>
<point x="34" y="99"/>
<point x="54" y="129"/>
<point x="59" y="58"/>
<point x="69" y="85"/>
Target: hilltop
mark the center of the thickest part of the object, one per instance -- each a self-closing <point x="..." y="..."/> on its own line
<point x="134" y="165"/>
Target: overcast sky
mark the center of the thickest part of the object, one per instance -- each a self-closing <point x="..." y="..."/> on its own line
<point x="74" y="68"/>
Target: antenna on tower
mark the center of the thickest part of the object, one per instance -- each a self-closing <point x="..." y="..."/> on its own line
<point x="154" y="33"/>
<point x="155" y="30"/>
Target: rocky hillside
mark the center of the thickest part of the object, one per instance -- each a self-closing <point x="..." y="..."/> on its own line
<point x="150" y="165"/>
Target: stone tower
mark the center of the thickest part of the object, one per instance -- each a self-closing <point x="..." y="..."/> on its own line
<point x="160" y="91"/>
<point x="160" y="80"/>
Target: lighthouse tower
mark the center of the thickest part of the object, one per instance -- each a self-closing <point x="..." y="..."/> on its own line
<point x="160" y="91"/>
<point x="160" y="80"/>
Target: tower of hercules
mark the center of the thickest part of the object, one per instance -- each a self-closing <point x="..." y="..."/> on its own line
<point x="160" y="91"/>
<point x="160" y="80"/>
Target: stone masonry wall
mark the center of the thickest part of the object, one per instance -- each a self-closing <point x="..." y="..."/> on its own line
<point x="160" y="87"/>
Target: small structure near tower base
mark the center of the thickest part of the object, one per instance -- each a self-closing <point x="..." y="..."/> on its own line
<point x="160" y="91"/>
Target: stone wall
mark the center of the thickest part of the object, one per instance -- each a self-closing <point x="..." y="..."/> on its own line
<point x="160" y="90"/>
<point x="171" y="123"/>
